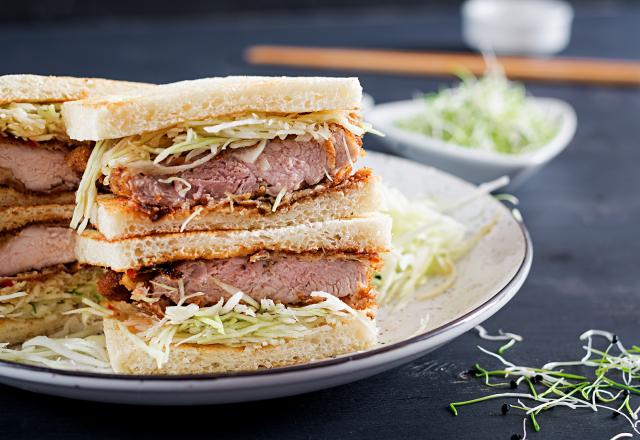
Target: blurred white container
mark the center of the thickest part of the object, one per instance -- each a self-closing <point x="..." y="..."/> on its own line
<point x="367" y="103"/>
<point x="535" y="27"/>
<point x="474" y="165"/>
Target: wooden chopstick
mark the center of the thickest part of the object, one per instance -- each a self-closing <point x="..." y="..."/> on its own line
<point x="588" y="71"/>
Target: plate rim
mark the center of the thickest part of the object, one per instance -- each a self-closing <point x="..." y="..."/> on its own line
<point x="522" y="270"/>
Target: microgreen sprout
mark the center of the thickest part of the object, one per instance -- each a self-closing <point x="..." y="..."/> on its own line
<point x="611" y="380"/>
<point x="486" y="114"/>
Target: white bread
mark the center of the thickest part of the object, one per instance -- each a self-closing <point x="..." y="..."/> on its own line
<point x="119" y="116"/>
<point x="371" y="234"/>
<point x="356" y="197"/>
<point x="18" y="216"/>
<point x="12" y="197"/>
<point x="37" y="88"/>
<point x="347" y="335"/>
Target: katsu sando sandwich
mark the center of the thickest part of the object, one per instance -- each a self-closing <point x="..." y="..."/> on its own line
<point x="40" y="169"/>
<point x="222" y="153"/>
<point x="236" y="233"/>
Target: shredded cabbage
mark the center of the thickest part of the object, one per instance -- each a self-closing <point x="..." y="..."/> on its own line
<point x="79" y="345"/>
<point x="490" y="113"/>
<point x="61" y="293"/>
<point x="77" y="353"/>
<point x="179" y="148"/>
<point x="278" y="199"/>
<point x="36" y="122"/>
<point x="425" y="244"/>
<point x="196" y="212"/>
<point x="182" y="191"/>
<point x="239" y="321"/>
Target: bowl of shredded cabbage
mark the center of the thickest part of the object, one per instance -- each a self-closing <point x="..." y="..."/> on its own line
<point x="481" y="129"/>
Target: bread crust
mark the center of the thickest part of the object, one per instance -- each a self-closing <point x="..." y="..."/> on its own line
<point x="370" y="234"/>
<point x="44" y="89"/>
<point x="11" y="197"/>
<point x="14" y="217"/>
<point x="118" y="116"/>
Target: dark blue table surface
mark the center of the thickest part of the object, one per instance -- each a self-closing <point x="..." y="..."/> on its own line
<point x="582" y="210"/>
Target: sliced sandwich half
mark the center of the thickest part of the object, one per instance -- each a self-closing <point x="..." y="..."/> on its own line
<point x="221" y="153"/>
<point x="40" y="168"/>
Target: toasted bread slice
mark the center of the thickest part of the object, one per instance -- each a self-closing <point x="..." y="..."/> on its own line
<point x="371" y="234"/>
<point x="44" y="89"/>
<point x="116" y="217"/>
<point x="119" y="116"/>
<point x="344" y="335"/>
<point x="10" y="197"/>
<point x="15" y="217"/>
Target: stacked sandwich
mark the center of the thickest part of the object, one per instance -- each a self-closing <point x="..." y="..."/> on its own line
<point x="40" y="168"/>
<point x="236" y="230"/>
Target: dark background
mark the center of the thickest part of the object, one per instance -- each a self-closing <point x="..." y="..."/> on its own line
<point x="582" y="210"/>
<point x="43" y="10"/>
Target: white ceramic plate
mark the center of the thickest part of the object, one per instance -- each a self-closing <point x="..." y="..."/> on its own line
<point x="489" y="276"/>
<point x="473" y="165"/>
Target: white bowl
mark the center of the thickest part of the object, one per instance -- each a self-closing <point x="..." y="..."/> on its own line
<point x="517" y="26"/>
<point x="476" y="166"/>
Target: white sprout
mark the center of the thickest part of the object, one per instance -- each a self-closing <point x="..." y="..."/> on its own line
<point x="622" y="435"/>
<point x="503" y="336"/>
<point x="524" y="429"/>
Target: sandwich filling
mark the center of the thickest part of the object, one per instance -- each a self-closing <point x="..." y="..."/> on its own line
<point x="41" y="167"/>
<point x="34" y="122"/>
<point x="35" y="247"/>
<point x="282" y="277"/>
<point x="283" y="164"/>
<point x="264" y="299"/>
<point x="47" y="293"/>
<point x="238" y="156"/>
<point x="36" y="155"/>
<point x="238" y="322"/>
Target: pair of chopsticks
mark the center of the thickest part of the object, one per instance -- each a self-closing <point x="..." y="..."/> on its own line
<point x="585" y="71"/>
